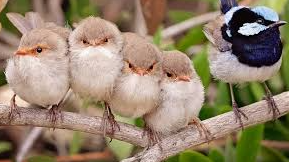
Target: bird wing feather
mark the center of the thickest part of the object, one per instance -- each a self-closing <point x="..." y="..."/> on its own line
<point x="34" y="19"/>
<point x="19" y="22"/>
<point x="213" y="32"/>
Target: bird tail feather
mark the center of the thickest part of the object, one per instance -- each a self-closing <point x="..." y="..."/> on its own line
<point x="226" y="5"/>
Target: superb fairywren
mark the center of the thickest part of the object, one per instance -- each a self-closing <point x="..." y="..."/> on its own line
<point x="247" y="47"/>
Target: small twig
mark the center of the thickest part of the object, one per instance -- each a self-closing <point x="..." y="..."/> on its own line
<point x="28" y="143"/>
<point x="187" y="24"/>
<point x="139" y="20"/>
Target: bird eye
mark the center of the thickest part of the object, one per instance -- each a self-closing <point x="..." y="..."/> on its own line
<point x="151" y="67"/>
<point x="84" y="41"/>
<point x="169" y="75"/>
<point x="39" y="49"/>
<point x="260" y="21"/>
<point x="130" y="65"/>
<point x="105" y="40"/>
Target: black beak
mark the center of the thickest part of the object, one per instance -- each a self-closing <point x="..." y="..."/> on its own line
<point x="278" y="24"/>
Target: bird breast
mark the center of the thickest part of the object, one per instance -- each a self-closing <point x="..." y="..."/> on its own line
<point x="38" y="81"/>
<point x="135" y="95"/>
<point x="94" y="72"/>
<point x="180" y="102"/>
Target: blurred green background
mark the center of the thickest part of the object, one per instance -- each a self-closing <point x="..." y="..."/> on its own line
<point x="268" y="142"/>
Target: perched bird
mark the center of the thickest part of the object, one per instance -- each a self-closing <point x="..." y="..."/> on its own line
<point x="182" y="97"/>
<point x="38" y="71"/>
<point x="137" y="89"/>
<point x="247" y="47"/>
<point x="96" y="62"/>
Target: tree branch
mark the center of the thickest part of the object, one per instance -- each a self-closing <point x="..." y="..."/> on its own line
<point x="219" y="126"/>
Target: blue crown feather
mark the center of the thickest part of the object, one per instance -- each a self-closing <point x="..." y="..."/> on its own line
<point x="267" y="13"/>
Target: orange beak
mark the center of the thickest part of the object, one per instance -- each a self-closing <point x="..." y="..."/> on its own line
<point x="141" y="72"/>
<point x="21" y="52"/>
<point x="183" y="78"/>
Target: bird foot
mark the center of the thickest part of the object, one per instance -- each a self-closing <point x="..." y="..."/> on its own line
<point x="272" y="106"/>
<point x="203" y="130"/>
<point x="238" y="114"/>
<point x="108" y="118"/>
<point x="14" y="111"/>
<point x="54" y="113"/>
<point x="152" y="136"/>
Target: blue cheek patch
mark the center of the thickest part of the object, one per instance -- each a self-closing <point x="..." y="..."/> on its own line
<point x="267" y="13"/>
<point x="249" y="29"/>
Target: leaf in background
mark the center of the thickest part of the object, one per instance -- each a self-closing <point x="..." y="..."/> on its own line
<point x="177" y="16"/>
<point x="276" y="5"/>
<point x="285" y="36"/>
<point x="201" y="65"/>
<point x="194" y="36"/>
<point x="75" y="144"/>
<point x="249" y="144"/>
<point x="229" y="150"/>
<point x="270" y="154"/>
<point x="41" y="159"/>
<point x="206" y="112"/>
<point x="193" y="156"/>
<point x="119" y="148"/>
<point x="216" y="155"/>
<point x="282" y="129"/>
<point x="157" y="38"/>
<point x="5" y="146"/>
<point x="223" y="94"/>
<point x="257" y="91"/>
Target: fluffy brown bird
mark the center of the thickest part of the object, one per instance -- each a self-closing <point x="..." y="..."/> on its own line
<point x="38" y="71"/>
<point x="137" y="90"/>
<point x="96" y="61"/>
<point x="182" y="97"/>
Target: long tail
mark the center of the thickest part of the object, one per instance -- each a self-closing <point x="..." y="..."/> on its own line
<point x="226" y="5"/>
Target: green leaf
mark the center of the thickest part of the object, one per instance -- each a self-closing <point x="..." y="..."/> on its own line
<point x="223" y="94"/>
<point x="201" y="65"/>
<point x="193" y="156"/>
<point x="257" y="91"/>
<point x="270" y="154"/>
<point x="75" y="144"/>
<point x="249" y="144"/>
<point x="177" y="16"/>
<point x="193" y="37"/>
<point x="5" y="146"/>
<point x="216" y="155"/>
<point x="41" y="158"/>
<point x="282" y="129"/>
<point x="229" y="150"/>
<point x="157" y="38"/>
<point x="2" y="78"/>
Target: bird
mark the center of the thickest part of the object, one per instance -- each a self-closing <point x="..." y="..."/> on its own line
<point x="38" y="71"/>
<point x="96" y="62"/>
<point x="246" y="48"/>
<point x="137" y="89"/>
<point x="182" y="97"/>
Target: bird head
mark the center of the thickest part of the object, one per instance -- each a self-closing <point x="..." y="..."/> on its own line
<point x="42" y="43"/>
<point x="140" y="56"/>
<point x="96" y="33"/>
<point x="245" y="21"/>
<point x="177" y="67"/>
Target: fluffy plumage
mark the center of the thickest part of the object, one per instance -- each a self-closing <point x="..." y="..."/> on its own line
<point x="39" y="78"/>
<point x="137" y="89"/>
<point x="181" y="101"/>
<point x="95" y="58"/>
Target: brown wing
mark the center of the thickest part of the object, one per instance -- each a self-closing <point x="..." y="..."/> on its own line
<point x="212" y="30"/>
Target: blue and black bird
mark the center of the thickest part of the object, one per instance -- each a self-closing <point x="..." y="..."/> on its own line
<point x="247" y="48"/>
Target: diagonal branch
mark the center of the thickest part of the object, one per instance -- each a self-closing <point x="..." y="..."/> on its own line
<point x="219" y="126"/>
